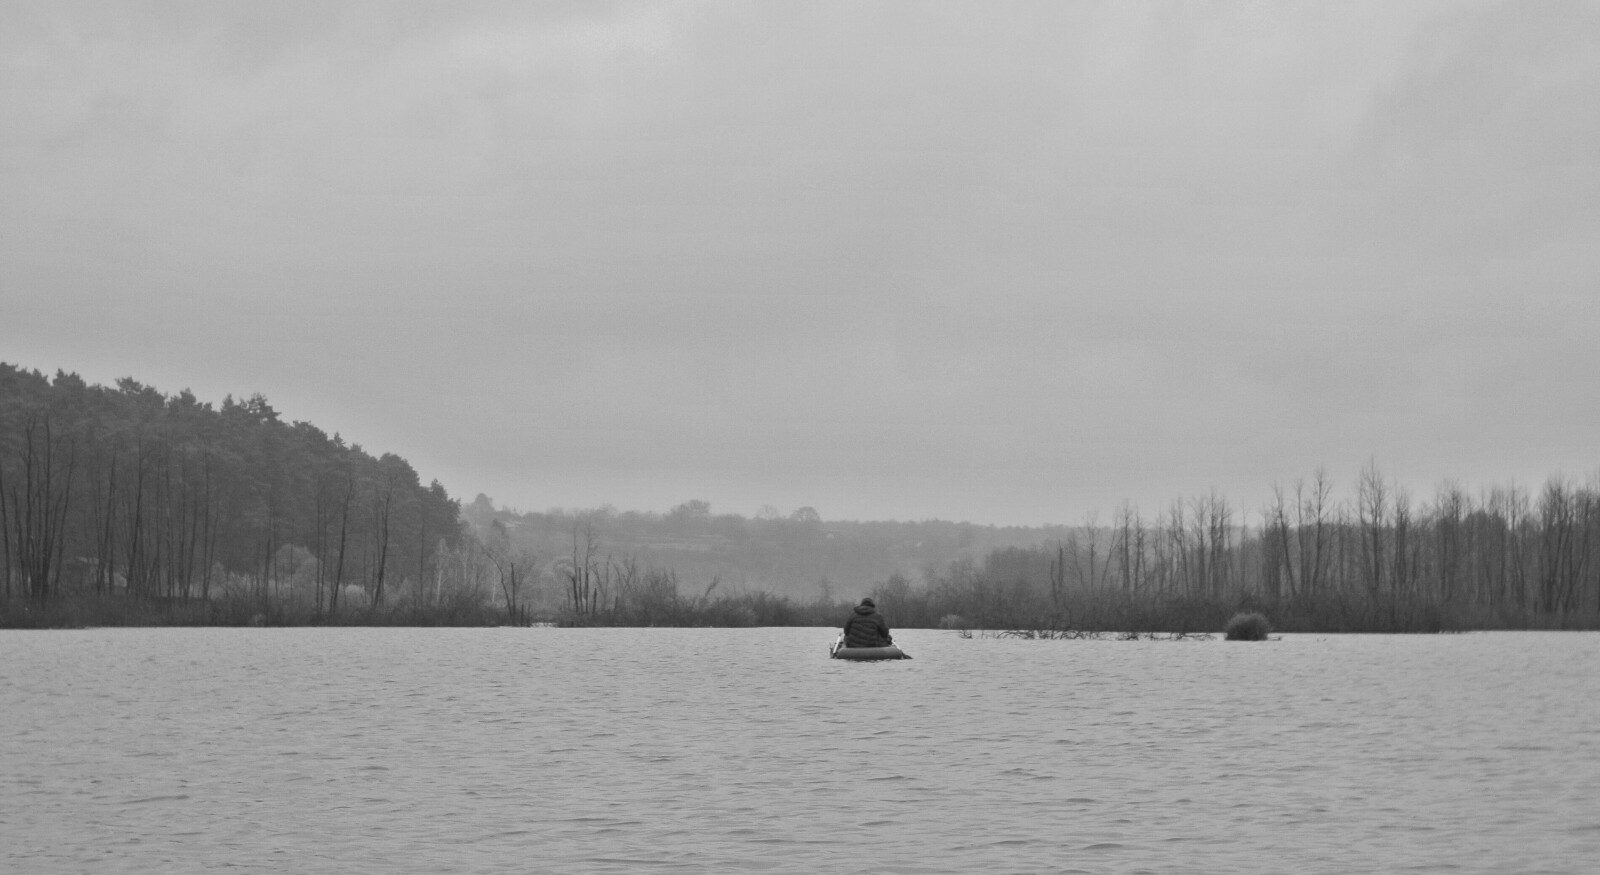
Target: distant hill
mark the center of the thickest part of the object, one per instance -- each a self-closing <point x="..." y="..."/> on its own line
<point x="801" y="556"/>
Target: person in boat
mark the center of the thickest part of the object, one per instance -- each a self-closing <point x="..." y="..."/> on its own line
<point x="866" y="627"/>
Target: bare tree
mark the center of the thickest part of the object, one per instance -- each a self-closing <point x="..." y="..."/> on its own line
<point x="1129" y="547"/>
<point x="1313" y="508"/>
<point x="513" y="567"/>
<point x="1278" y="558"/>
<point x="1448" y="513"/>
<point x="584" y="583"/>
<point x="1404" y="562"/>
<point x="1372" y="504"/>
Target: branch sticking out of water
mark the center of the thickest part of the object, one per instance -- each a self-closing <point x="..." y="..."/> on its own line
<point x="1084" y="634"/>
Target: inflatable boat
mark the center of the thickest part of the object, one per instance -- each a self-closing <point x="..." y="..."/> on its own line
<point x="839" y="651"/>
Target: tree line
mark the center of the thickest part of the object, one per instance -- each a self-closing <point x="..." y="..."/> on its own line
<point x="1376" y="560"/>
<point x="124" y="491"/>
<point x="156" y="508"/>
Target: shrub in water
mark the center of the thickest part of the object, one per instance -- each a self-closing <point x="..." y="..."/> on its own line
<point x="1248" y="627"/>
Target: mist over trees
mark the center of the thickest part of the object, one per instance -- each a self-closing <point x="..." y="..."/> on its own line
<point x="797" y="555"/>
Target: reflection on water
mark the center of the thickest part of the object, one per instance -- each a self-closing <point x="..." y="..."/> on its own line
<point x="521" y="750"/>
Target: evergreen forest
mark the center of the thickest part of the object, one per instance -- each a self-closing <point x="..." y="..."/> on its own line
<point x="146" y="506"/>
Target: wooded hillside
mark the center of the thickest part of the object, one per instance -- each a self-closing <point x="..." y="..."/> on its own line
<point x="124" y="490"/>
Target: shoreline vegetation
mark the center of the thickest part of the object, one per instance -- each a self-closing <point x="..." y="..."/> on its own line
<point x="1108" y="615"/>
<point x="125" y="507"/>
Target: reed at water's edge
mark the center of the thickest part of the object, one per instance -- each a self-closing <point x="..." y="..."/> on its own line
<point x="917" y="607"/>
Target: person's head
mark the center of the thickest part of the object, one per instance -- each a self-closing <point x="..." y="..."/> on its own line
<point x="867" y="603"/>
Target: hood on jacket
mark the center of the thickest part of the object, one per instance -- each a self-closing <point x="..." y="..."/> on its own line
<point x="864" y="610"/>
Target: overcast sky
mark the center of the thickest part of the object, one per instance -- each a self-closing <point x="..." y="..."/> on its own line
<point x="1007" y="263"/>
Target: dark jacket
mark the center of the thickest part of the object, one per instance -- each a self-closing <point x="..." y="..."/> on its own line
<point x="866" y="628"/>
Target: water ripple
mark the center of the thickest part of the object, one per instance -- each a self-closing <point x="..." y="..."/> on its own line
<point x="588" y="751"/>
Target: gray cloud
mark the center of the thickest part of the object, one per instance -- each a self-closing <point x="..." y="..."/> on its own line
<point x="1000" y="261"/>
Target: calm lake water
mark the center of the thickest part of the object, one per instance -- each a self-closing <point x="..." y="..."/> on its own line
<point x="672" y="750"/>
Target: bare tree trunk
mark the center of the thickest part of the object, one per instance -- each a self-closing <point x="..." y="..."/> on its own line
<point x="1278" y="519"/>
<point x="344" y="540"/>
<point x="381" y="508"/>
<point x="1372" y="504"/>
<point x="38" y="496"/>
